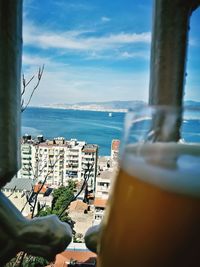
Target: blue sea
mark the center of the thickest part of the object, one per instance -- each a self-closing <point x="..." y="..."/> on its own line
<point x="91" y="126"/>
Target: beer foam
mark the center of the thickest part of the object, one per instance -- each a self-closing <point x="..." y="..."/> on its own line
<point x="174" y="167"/>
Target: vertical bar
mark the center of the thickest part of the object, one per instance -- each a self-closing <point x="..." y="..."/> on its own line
<point x="168" y="50"/>
<point x="168" y="62"/>
<point x="10" y="73"/>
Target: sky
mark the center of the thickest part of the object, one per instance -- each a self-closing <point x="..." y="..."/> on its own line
<point x="95" y="50"/>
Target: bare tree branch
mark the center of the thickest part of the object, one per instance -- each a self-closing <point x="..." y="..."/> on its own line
<point x="42" y="185"/>
<point x="86" y="178"/>
<point x="35" y="178"/>
<point x="12" y="192"/>
<point x="87" y="173"/>
<point x="24" y="88"/>
<point x="25" y="84"/>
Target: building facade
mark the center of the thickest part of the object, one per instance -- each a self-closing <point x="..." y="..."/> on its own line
<point x="27" y="158"/>
<point x="59" y="160"/>
<point x="107" y="171"/>
<point x="115" y="149"/>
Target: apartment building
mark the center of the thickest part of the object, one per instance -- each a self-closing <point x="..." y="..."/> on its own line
<point x="49" y="161"/>
<point x="103" y="183"/>
<point x="73" y="159"/>
<point x="89" y="164"/>
<point x="27" y="155"/>
<point x="59" y="160"/>
<point x="107" y="170"/>
<point x="115" y="149"/>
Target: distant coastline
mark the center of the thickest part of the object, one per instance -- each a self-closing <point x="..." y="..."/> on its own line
<point x="111" y="106"/>
<point x="85" y="109"/>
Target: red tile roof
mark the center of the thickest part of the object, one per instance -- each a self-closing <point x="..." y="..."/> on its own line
<point x="38" y="186"/>
<point x="64" y="258"/>
<point x="115" y="144"/>
<point x="100" y="202"/>
<point x="78" y="205"/>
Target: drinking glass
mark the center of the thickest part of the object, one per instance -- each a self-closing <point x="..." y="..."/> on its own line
<point x="153" y="213"/>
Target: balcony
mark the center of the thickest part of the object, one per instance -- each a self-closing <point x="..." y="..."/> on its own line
<point x="99" y="212"/>
<point x="103" y="189"/>
<point x="26" y="152"/>
<point x="73" y="160"/>
<point x="85" y="162"/>
<point x="74" y="154"/>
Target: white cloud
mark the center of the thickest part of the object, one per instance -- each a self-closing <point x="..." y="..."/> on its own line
<point x="194" y="42"/>
<point x="105" y="19"/>
<point x="73" y="6"/>
<point x="117" y="55"/>
<point x="139" y="54"/>
<point x="75" y="40"/>
<point x="63" y="83"/>
<point x="33" y="60"/>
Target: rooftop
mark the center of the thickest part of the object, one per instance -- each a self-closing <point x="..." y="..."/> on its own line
<point x="78" y="256"/>
<point x="103" y="159"/>
<point x="89" y="148"/>
<point x="38" y="186"/>
<point x="20" y="184"/>
<point x="107" y="174"/>
<point x="99" y="202"/>
<point x="78" y="205"/>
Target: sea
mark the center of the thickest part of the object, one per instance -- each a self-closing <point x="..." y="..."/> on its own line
<point x="94" y="127"/>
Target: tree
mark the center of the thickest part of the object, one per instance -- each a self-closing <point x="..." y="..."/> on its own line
<point x="62" y="197"/>
<point x="28" y="261"/>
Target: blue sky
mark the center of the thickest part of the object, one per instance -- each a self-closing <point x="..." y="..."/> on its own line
<point x="96" y="50"/>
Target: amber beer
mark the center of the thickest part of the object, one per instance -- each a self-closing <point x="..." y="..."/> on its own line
<point x="153" y="216"/>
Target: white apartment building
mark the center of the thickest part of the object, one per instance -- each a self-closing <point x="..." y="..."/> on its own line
<point x="103" y="185"/>
<point x="107" y="169"/>
<point x="49" y="161"/>
<point x="73" y="159"/>
<point x="27" y="155"/>
<point x="103" y="182"/>
<point x="59" y="160"/>
<point x="89" y="165"/>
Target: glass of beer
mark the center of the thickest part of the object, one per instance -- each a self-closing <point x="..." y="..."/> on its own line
<point x="153" y="213"/>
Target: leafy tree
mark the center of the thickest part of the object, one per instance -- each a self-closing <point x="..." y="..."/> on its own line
<point x="61" y="199"/>
<point x="34" y="262"/>
<point x="28" y="261"/>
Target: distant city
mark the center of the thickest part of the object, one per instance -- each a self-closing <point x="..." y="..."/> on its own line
<point x="113" y="106"/>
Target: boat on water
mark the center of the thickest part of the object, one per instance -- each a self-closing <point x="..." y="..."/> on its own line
<point x="110" y="114"/>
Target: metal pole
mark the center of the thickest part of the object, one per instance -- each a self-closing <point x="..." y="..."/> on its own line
<point x="10" y="72"/>
<point x="168" y="50"/>
<point x="168" y="63"/>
